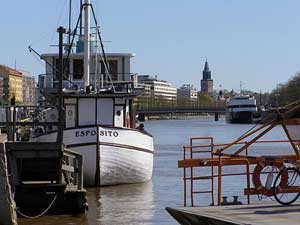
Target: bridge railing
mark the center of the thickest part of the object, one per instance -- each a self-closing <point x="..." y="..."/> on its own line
<point x="209" y="107"/>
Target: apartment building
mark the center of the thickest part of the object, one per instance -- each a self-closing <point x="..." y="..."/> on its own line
<point x="29" y="96"/>
<point x="18" y="84"/>
<point x="187" y="92"/>
<point x="159" y="89"/>
<point x="12" y="84"/>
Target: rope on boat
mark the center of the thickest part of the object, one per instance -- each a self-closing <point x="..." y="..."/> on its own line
<point x="39" y="215"/>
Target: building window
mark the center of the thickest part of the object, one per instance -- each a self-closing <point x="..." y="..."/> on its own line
<point x="78" y="69"/>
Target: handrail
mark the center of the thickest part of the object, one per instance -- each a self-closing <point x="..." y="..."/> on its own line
<point x="240" y="143"/>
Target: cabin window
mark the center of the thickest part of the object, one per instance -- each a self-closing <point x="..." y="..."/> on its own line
<point x="105" y="111"/>
<point x="78" y="69"/>
<point x="86" y="111"/>
<point x="113" y="69"/>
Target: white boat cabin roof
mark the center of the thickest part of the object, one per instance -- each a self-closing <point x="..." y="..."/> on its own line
<point x="72" y="55"/>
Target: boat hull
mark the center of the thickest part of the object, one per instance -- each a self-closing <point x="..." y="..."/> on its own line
<point x="239" y="117"/>
<point x="111" y="155"/>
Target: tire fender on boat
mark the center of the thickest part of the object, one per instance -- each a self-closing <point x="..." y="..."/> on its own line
<point x="257" y="173"/>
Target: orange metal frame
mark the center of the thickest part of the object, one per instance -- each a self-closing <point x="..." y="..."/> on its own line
<point x="218" y="162"/>
<point x="219" y="158"/>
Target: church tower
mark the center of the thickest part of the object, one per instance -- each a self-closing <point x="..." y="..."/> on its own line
<point x="206" y="82"/>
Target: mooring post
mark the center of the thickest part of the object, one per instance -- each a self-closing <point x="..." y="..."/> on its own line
<point x="80" y="172"/>
<point x="8" y="215"/>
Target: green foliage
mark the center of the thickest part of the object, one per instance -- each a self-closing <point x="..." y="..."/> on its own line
<point x="146" y="103"/>
<point x="205" y="99"/>
<point x="286" y="93"/>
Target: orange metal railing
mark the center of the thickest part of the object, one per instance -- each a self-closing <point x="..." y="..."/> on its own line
<point x="218" y="161"/>
<point x="192" y="178"/>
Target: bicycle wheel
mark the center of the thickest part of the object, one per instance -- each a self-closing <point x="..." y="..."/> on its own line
<point x="288" y="192"/>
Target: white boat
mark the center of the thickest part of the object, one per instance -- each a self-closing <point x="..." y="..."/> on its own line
<point x="240" y="109"/>
<point x="112" y="155"/>
<point x="99" y="114"/>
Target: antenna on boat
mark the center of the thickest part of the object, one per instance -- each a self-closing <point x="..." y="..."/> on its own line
<point x="103" y="55"/>
<point x="87" y="9"/>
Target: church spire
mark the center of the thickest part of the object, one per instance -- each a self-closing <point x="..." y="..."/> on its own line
<point x="206" y="72"/>
<point x="206" y="67"/>
<point x="206" y="83"/>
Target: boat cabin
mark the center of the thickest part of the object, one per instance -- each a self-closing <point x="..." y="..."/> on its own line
<point x="110" y="101"/>
<point x="118" y="66"/>
<point x="105" y="109"/>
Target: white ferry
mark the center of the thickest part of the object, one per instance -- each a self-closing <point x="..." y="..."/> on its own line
<point x="240" y="109"/>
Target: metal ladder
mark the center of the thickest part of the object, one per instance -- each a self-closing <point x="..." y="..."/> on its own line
<point x="193" y="178"/>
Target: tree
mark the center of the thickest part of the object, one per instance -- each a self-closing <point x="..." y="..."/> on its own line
<point x="286" y="93"/>
<point x="204" y="99"/>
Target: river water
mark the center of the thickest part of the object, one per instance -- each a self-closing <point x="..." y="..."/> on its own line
<point x="145" y="203"/>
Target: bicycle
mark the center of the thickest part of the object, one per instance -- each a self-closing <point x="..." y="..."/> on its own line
<point x="288" y="192"/>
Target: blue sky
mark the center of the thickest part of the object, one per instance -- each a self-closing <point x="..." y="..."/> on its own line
<point x="253" y="41"/>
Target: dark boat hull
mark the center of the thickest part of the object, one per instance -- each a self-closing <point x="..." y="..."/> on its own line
<point x="243" y="117"/>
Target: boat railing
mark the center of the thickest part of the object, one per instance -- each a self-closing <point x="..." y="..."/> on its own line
<point x="123" y="86"/>
<point x="102" y="82"/>
<point x="202" y="162"/>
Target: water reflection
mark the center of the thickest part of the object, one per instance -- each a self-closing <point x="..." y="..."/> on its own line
<point x="123" y="204"/>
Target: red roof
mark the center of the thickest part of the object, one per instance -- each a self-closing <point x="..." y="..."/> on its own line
<point x="12" y="71"/>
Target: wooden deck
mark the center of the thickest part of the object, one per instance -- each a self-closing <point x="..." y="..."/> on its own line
<point x="257" y="214"/>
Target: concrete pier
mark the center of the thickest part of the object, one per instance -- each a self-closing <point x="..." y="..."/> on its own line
<point x="257" y="214"/>
<point x="8" y="214"/>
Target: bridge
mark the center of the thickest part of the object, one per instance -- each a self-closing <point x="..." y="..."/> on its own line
<point x="142" y="112"/>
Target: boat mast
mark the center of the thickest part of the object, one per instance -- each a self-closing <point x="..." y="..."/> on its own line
<point x="70" y="23"/>
<point x="87" y="43"/>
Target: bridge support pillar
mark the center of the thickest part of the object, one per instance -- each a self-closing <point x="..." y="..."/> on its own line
<point x="216" y="116"/>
